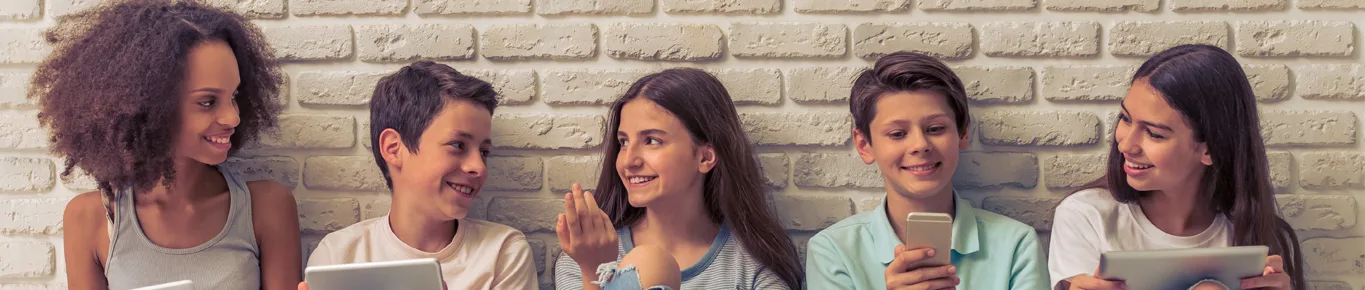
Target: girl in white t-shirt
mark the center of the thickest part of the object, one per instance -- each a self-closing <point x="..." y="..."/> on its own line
<point x="1187" y="169"/>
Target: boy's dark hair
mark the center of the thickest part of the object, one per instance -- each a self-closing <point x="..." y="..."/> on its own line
<point x="906" y="72"/>
<point x="407" y="100"/>
<point x="108" y="90"/>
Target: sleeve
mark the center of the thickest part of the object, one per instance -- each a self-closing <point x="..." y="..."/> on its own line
<point x="516" y="269"/>
<point x="1074" y="248"/>
<point x="1029" y="271"/>
<point x="322" y="255"/>
<point x="824" y="270"/>
<point x="567" y="274"/>
<point x="766" y="279"/>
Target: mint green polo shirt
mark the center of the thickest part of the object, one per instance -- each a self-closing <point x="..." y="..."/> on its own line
<point x="990" y="251"/>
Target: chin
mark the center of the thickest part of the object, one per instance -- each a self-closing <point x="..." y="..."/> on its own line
<point x="920" y="189"/>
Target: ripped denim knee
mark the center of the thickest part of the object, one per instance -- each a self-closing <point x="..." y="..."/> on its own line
<point x="611" y="277"/>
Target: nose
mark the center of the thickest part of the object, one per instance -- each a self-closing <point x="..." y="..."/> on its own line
<point x="918" y="143"/>
<point x="1127" y="138"/>
<point x="475" y="167"/>
<point x="228" y="116"/>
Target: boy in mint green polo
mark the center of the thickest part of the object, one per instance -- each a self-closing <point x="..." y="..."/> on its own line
<point x="910" y="113"/>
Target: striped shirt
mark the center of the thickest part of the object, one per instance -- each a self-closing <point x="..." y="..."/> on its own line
<point x="726" y="265"/>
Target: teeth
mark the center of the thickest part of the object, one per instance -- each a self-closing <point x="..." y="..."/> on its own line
<point x="462" y="189"/>
<point x="640" y="179"/>
<point x="1135" y="165"/>
<point x="922" y="168"/>
<point x="219" y="140"/>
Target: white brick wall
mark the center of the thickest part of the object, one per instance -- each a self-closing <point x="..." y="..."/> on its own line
<point x="1044" y="78"/>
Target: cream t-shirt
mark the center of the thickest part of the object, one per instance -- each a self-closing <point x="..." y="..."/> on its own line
<point x="482" y="255"/>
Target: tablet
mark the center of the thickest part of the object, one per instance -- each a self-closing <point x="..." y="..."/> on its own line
<point x="930" y="230"/>
<point x="417" y="274"/>
<point x="1182" y="268"/>
<point x="177" y="285"/>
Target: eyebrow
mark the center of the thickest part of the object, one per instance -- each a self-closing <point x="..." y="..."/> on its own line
<point x="1146" y="123"/>
<point x="648" y="132"/>
<point x="206" y="89"/>
<point x="467" y="135"/>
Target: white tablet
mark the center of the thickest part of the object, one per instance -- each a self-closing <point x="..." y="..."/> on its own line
<point x="1182" y="268"/>
<point x="417" y="274"/>
<point x="177" y="285"/>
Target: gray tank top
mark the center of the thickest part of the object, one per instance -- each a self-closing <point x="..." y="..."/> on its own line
<point x="230" y="260"/>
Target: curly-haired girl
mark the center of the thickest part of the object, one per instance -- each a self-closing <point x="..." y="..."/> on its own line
<point x="148" y="97"/>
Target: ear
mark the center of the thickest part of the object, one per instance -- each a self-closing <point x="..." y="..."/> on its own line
<point x="863" y="145"/>
<point x="708" y="158"/>
<point x="966" y="140"/>
<point x="1204" y="154"/>
<point x="392" y="149"/>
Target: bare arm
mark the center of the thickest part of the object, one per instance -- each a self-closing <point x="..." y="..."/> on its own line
<point x="84" y="219"/>
<point x="274" y="215"/>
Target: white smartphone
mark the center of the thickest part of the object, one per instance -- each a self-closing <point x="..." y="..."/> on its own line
<point x="1182" y="268"/>
<point x="177" y="285"/>
<point x="930" y="230"/>
<point x="416" y="274"/>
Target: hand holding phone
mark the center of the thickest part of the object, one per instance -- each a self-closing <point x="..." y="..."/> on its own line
<point x="930" y="230"/>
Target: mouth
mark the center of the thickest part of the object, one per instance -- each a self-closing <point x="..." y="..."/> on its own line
<point x="1135" y="168"/>
<point x="636" y="181"/>
<point x="923" y="169"/>
<point x="464" y="190"/>
<point x="222" y="142"/>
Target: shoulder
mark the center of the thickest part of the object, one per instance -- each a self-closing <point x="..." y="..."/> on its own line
<point x="1089" y="198"/>
<point x="486" y="233"/>
<point x="850" y="225"/>
<point x="352" y="233"/>
<point x="996" y="224"/>
<point x="269" y="194"/>
<point x="84" y="212"/>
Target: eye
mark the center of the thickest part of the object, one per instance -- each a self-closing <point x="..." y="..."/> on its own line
<point x="896" y="135"/>
<point x="1124" y="118"/>
<point x="937" y="129"/>
<point x="622" y="142"/>
<point x="653" y="141"/>
<point x="208" y="103"/>
<point x="457" y="144"/>
<point x="1154" y="135"/>
<point x="484" y="153"/>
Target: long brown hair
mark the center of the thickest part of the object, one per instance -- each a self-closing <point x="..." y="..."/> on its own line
<point x="734" y="194"/>
<point x="1207" y="85"/>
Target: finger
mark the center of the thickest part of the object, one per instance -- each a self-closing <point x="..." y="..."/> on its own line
<point x="580" y="205"/>
<point x="1092" y="283"/>
<point x="1275" y="262"/>
<point x="303" y="285"/>
<point x="562" y="231"/>
<point x="1273" y="280"/>
<point x="903" y="259"/>
<point x="594" y="213"/>
<point x="941" y="283"/>
<point x="925" y="274"/>
<point x="571" y="217"/>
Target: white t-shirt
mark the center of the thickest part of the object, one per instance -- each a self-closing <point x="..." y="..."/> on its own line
<point x="482" y="255"/>
<point x="1091" y="222"/>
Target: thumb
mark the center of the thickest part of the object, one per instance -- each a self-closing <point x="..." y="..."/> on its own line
<point x="303" y="285"/>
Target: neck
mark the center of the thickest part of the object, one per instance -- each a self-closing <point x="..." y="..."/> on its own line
<point x="1181" y="213"/>
<point x="416" y="229"/>
<point x="676" y="224"/>
<point x="193" y="181"/>
<point x="898" y="207"/>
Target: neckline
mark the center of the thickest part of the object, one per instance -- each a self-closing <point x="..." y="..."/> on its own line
<point x="723" y="236"/>
<point x="234" y="192"/>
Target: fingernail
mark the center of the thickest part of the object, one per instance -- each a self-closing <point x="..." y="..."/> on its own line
<point x="931" y="252"/>
<point x="952" y="270"/>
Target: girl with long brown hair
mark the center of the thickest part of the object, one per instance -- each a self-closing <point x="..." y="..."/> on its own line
<point x="1187" y="169"/>
<point x="680" y="177"/>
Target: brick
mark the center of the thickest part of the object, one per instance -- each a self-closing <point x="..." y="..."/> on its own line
<point x="867" y="203"/>
<point x="996" y="170"/>
<point x="1146" y="38"/>
<point x="1295" y="38"/>
<point x="409" y="42"/>
<point x="721" y="6"/>
<point x="79" y="181"/>
<point x="1317" y="212"/>
<point x="258" y="9"/>
<point x="1330" y="4"/>
<point x="774" y="166"/>
<point x="57" y="8"/>
<point x="1226" y="5"/>
<point x="358" y="173"/>
<point x="22" y="131"/>
<point x="514" y="173"/>
<point x="834" y="170"/>
<point x="564" y="171"/>
<point x="1086" y="83"/>
<point x="363" y="130"/>
<point x="1280" y="167"/>
<point x="586" y="86"/>
<point x="804" y="128"/>
<point x="849" y="6"/>
<point x="32" y="216"/>
<point x="308" y="131"/>
<point x="377" y="207"/>
<point x="997" y="84"/>
<point x="812" y="213"/>
<point x="820" y="84"/>
<point x="21" y="10"/>
<point x="944" y="40"/>
<point x="1103" y="6"/>
<point x="539" y="41"/>
<point x="977" y="5"/>
<point x="1332" y="170"/>
<point x="788" y="40"/>
<point x="337" y="88"/>
<point x="325" y="215"/>
<point x="23" y="46"/>
<point x="599" y="7"/>
<point x="1328" y="285"/>
<point x="664" y="41"/>
<point x="31" y="287"/>
<point x="1331" y="82"/>
<point x="284" y="170"/>
<point x="1031" y="128"/>
<point x="310" y="42"/>
<point x="547" y="131"/>
<point x="1270" y="82"/>
<point x="14" y="90"/>
<point x="1341" y="256"/>
<point x="347" y="7"/>
<point x="27" y="259"/>
<point x="526" y="214"/>
<point x="537" y="254"/>
<point x="1308" y="127"/>
<point x="751" y="85"/>
<point x="471" y="7"/>
<point x="1073" y="170"/>
<point x="1040" y="39"/>
<point x="1033" y="211"/>
<point x="24" y="174"/>
<point x="514" y="87"/>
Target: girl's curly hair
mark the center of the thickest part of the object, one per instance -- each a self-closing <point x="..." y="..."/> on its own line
<point x="108" y="92"/>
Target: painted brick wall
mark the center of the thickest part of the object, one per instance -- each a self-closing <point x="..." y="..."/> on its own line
<point x="1045" y="78"/>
